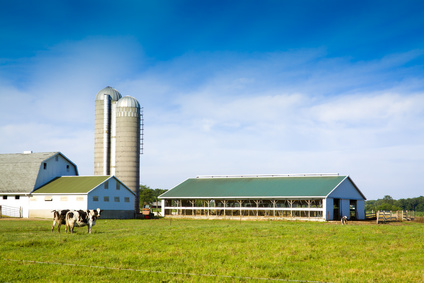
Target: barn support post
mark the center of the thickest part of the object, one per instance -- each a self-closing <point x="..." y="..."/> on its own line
<point x="291" y="207"/>
<point x="273" y="205"/>
<point x="241" y="205"/>
<point x="225" y="206"/>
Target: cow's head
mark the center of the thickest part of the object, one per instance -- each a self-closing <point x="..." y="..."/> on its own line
<point x="94" y="214"/>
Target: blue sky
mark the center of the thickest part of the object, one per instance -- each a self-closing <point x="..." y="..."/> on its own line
<point x="228" y="87"/>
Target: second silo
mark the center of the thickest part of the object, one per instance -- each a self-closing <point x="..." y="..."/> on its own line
<point x="126" y="162"/>
<point x="105" y="105"/>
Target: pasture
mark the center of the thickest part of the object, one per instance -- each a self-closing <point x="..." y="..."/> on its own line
<point x="211" y="250"/>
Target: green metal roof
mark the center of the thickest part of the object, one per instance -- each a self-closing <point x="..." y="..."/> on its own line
<point x="72" y="185"/>
<point x="262" y="187"/>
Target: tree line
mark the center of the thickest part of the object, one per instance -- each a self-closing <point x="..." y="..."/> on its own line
<point x="148" y="195"/>
<point x="388" y="203"/>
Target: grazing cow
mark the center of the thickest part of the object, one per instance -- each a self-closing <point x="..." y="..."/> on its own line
<point x="344" y="220"/>
<point x="59" y="218"/>
<point x="79" y="218"/>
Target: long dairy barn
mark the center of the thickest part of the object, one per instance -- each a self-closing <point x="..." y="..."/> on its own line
<point x="315" y="197"/>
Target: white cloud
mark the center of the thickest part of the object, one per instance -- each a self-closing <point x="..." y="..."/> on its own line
<point x="229" y="113"/>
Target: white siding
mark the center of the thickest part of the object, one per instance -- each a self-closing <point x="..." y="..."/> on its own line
<point x="41" y="205"/>
<point x="11" y="201"/>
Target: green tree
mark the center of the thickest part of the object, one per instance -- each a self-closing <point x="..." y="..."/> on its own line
<point x="149" y="195"/>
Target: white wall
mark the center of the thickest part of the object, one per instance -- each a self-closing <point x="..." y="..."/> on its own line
<point x="41" y="205"/>
<point x="11" y="201"/>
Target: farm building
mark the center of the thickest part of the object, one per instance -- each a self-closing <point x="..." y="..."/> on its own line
<point x="316" y="197"/>
<point x="33" y="184"/>
<point x="22" y="173"/>
<point x="84" y="192"/>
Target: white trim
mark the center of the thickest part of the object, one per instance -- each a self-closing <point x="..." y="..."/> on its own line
<point x="268" y="175"/>
<point x="250" y="197"/>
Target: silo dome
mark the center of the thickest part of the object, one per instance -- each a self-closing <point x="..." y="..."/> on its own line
<point x="113" y="93"/>
<point x="128" y="101"/>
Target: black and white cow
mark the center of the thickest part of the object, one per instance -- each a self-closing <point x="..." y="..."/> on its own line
<point x="79" y="218"/>
<point x="59" y="218"/>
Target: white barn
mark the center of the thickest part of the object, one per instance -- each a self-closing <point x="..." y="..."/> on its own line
<point x="33" y="184"/>
<point x="23" y="173"/>
<point x="84" y="192"/>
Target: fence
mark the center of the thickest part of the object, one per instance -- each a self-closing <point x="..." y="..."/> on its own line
<point x="391" y="216"/>
<point x="10" y="211"/>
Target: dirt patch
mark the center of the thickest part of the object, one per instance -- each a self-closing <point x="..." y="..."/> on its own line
<point x="22" y="219"/>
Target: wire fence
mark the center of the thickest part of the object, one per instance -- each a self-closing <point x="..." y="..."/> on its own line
<point x="10" y="211"/>
<point x="161" y="272"/>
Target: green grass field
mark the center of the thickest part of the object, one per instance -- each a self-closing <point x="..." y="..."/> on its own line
<point x="211" y="250"/>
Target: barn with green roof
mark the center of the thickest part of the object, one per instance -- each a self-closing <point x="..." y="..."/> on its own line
<point x="316" y="197"/>
<point x="34" y="184"/>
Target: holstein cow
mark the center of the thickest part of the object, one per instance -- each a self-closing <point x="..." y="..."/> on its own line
<point x="59" y="218"/>
<point x="79" y="218"/>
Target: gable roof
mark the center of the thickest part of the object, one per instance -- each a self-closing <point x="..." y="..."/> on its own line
<point x="19" y="171"/>
<point x="256" y="187"/>
<point x="75" y="185"/>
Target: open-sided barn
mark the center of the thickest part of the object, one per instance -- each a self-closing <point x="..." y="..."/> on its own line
<point x="305" y="196"/>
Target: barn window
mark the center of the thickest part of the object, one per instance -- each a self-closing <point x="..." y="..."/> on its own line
<point x="4" y="197"/>
<point x="127" y="199"/>
<point x="56" y="158"/>
<point x="106" y="185"/>
<point x="44" y="165"/>
<point x="63" y="198"/>
<point x="80" y="198"/>
<point x="116" y="199"/>
<point x="48" y="198"/>
<point x="118" y="186"/>
<point x="95" y="198"/>
<point x="67" y="168"/>
<point x="106" y="199"/>
<point x="17" y="197"/>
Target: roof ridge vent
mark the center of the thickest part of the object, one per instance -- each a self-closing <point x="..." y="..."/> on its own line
<point x="269" y="175"/>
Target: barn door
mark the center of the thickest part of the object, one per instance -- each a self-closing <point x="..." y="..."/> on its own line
<point x="353" y="209"/>
<point x="336" y="212"/>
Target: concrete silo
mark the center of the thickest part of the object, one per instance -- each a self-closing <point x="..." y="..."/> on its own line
<point x="105" y="104"/>
<point x="126" y="165"/>
<point x="117" y="138"/>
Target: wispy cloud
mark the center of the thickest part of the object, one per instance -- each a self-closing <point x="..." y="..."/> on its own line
<point x="229" y="113"/>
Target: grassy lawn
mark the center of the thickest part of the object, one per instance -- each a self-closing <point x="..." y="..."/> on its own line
<point x="209" y="250"/>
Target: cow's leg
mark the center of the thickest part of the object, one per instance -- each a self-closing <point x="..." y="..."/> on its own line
<point x="54" y="223"/>
<point x="58" y="226"/>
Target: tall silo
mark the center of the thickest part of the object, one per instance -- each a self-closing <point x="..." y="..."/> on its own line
<point x="105" y="104"/>
<point x="126" y="165"/>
